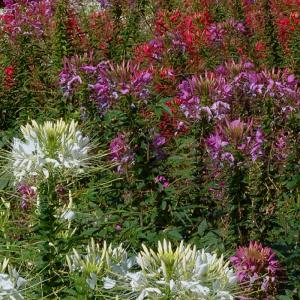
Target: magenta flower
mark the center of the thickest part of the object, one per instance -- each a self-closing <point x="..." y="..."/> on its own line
<point x="158" y="141"/>
<point x="231" y="137"/>
<point x="107" y="82"/>
<point x="281" y="147"/>
<point x="105" y="3"/>
<point x="215" y="144"/>
<point x="235" y="130"/>
<point x="27" y="192"/>
<point x="257" y="268"/>
<point x="31" y="18"/>
<point x="205" y="95"/>
<point x="121" y="153"/>
<point x="163" y="181"/>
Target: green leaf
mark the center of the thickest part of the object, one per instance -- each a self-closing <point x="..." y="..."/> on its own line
<point x="202" y="227"/>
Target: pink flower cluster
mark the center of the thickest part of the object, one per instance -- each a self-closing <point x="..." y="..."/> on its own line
<point x="205" y="95"/>
<point x="121" y="153"/>
<point x="106" y="82"/>
<point x="27" y="192"/>
<point x="162" y="181"/>
<point x="233" y="138"/>
<point x="238" y="85"/>
<point x="257" y="266"/>
<point x="26" y="17"/>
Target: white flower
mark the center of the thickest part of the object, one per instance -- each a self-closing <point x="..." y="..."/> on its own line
<point x="109" y="283"/>
<point x="196" y="288"/>
<point x="52" y="145"/>
<point x="5" y="283"/>
<point x="9" y="285"/>
<point x="184" y="270"/>
<point x="180" y="273"/>
<point x="68" y="215"/>
<point x="148" y="291"/>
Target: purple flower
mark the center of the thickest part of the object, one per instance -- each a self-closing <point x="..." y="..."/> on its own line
<point x="158" y="141"/>
<point x="256" y="148"/>
<point x="118" y="227"/>
<point x="235" y="130"/>
<point x="232" y="136"/>
<point x="27" y="192"/>
<point x="105" y="3"/>
<point x="215" y="144"/>
<point x="256" y="268"/>
<point x="221" y="70"/>
<point x="163" y="181"/>
<point x="195" y="90"/>
<point x="177" y="43"/>
<point x="220" y="109"/>
<point x="121" y="153"/>
<point x="216" y="33"/>
<point x="88" y="69"/>
<point x="280" y="147"/>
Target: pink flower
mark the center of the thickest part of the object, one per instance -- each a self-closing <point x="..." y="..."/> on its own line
<point x="121" y="152"/>
<point x="162" y="180"/>
<point x="257" y="268"/>
<point x="27" y="192"/>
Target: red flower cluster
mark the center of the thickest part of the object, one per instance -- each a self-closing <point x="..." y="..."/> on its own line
<point x="9" y="80"/>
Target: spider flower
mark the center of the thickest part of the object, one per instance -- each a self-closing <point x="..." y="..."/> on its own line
<point x="52" y="145"/>
<point x="99" y="261"/>
<point x="10" y="282"/>
<point x="182" y="272"/>
<point x="121" y="153"/>
<point x="233" y="137"/>
<point x="257" y="268"/>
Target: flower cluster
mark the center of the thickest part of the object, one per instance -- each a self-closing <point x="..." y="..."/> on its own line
<point x="52" y="145"/>
<point x="107" y="82"/>
<point x="217" y="31"/>
<point x="162" y="181"/>
<point x="113" y="82"/>
<point x="26" y="18"/>
<point x="205" y="96"/>
<point x="235" y="138"/>
<point x="257" y="268"/>
<point x="185" y="272"/>
<point x="121" y="153"/>
<point x="100" y="261"/>
<point x="234" y="86"/>
<point x="28" y="193"/>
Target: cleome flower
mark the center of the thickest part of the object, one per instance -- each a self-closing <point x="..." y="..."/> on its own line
<point x="257" y="269"/>
<point x="52" y="145"/>
<point x="184" y="272"/>
<point x="98" y="262"/>
<point x="10" y="282"/>
<point x="180" y="273"/>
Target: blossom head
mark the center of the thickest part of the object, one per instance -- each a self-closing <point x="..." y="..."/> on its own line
<point x="258" y="267"/>
<point x="120" y="152"/>
<point x="52" y="145"/>
<point x="184" y="271"/>
<point x="236" y="130"/>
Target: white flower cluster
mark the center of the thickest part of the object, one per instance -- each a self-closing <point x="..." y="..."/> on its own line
<point x="183" y="273"/>
<point x="10" y="283"/>
<point x="52" y="145"/>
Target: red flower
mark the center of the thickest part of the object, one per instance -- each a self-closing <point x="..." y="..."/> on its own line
<point x="9" y="71"/>
<point x="9" y="77"/>
<point x="260" y="46"/>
